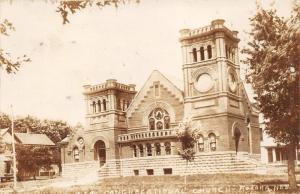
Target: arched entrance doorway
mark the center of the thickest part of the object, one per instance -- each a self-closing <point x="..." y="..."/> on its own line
<point x="100" y="152"/>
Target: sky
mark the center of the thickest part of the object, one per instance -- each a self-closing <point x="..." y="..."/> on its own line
<point x="126" y="44"/>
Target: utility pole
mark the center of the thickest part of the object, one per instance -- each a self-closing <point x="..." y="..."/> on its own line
<point x="13" y="149"/>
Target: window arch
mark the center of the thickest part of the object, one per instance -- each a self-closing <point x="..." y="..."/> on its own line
<point x="200" y="143"/>
<point x="202" y="53"/>
<point x="104" y="104"/>
<point x="141" y="149"/>
<point x="157" y="149"/>
<point x="76" y="154"/>
<point x="149" y="149"/>
<point x="212" y="142"/>
<point x="99" y="105"/>
<point x="209" y="52"/>
<point x="194" y="55"/>
<point x="168" y="148"/>
<point x="159" y="119"/>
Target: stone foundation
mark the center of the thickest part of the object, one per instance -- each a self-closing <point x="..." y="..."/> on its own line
<point x="204" y="163"/>
<point x="79" y="169"/>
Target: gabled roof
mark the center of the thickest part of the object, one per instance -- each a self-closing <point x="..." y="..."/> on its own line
<point x="155" y="76"/>
<point x="33" y="139"/>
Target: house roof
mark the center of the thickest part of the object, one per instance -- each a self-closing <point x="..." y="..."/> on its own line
<point x="33" y="139"/>
<point x="65" y="140"/>
<point x="3" y="131"/>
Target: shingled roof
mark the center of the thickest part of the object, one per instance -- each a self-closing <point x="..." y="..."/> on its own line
<point x="33" y="139"/>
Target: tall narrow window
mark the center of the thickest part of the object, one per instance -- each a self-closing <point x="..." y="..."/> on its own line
<point x="120" y="104"/>
<point x="134" y="151"/>
<point x="94" y="107"/>
<point x="104" y="104"/>
<point x="226" y="51"/>
<point x="157" y="149"/>
<point x="99" y="106"/>
<point x="156" y="90"/>
<point x="76" y="154"/>
<point x="212" y="142"/>
<point x="200" y="144"/>
<point x="194" y="55"/>
<point x="209" y="52"/>
<point x="151" y="124"/>
<point x="149" y="149"/>
<point x="167" y="122"/>
<point x="168" y="148"/>
<point x="141" y="148"/>
<point x="202" y="53"/>
<point x="124" y="105"/>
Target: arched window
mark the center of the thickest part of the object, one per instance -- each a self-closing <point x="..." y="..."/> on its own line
<point x="168" y="148"/>
<point x="149" y="149"/>
<point x="157" y="149"/>
<point x="94" y="107"/>
<point x="209" y="52"/>
<point x="212" y="142"/>
<point x="99" y="105"/>
<point x="194" y="55"/>
<point x="202" y="53"/>
<point x="141" y="148"/>
<point x="104" y="104"/>
<point x="134" y="151"/>
<point x="76" y="154"/>
<point x="159" y="119"/>
<point x="200" y="143"/>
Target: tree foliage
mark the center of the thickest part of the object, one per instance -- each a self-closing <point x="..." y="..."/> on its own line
<point x="273" y="56"/>
<point x="6" y="61"/>
<point x="31" y="158"/>
<point x="187" y="136"/>
<point x="67" y="7"/>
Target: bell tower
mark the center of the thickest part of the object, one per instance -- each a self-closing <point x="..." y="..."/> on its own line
<point x="212" y="89"/>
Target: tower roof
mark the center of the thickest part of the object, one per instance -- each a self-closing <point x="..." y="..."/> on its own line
<point x="215" y="26"/>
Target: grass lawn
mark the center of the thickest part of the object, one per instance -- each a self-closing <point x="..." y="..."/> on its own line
<point x="171" y="184"/>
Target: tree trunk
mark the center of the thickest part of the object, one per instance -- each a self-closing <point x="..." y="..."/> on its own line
<point x="291" y="167"/>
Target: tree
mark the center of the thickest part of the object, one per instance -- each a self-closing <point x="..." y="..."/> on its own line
<point x="187" y="135"/>
<point x="67" y="7"/>
<point x="30" y="158"/>
<point x="6" y="61"/>
<point x="273" y="70"/>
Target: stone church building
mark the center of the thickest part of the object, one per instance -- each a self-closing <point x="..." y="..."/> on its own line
<point x="130" y="133"/>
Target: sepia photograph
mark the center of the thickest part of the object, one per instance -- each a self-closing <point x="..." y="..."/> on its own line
<point x="149" y="96"/>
